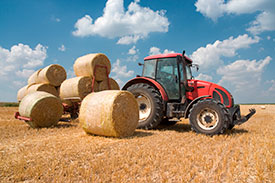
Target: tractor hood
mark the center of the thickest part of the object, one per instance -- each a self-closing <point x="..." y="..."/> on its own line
<point x="202" y="88"/>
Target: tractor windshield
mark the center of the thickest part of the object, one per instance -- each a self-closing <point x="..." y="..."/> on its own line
<point x="149" y="68"/>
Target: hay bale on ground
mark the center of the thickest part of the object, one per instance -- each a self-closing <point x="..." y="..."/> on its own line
<point x="22" y="92"/>
<point x="85" y="65"/>
<point x="43" y="108"/>
<point x="109" y="113"/>
<point x="53" y="74"/>
<point x="76" y="87"/>
<point x="33" y="79"/>
<point x="43" y="87"/>
<point x="104" y="85"/>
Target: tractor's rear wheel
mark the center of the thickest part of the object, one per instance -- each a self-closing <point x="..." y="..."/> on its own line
<point x="150" y="105"/>
<point x="209" y="117"/>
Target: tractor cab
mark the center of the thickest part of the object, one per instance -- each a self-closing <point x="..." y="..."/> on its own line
<point x="170" y="72"/>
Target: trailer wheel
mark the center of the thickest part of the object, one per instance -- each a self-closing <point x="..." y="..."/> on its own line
<point x="150" y="105"/>
<point x="74" y="115"/>
<point x="209" y="117"/>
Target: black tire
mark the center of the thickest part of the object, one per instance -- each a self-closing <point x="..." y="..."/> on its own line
<point x="167" y="122"/>
<point x="154" y="99"/>
<point x="209" y="117"/>
<point x="230" y="126"/>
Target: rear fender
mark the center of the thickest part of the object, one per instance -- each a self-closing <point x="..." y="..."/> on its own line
<point x="149" y="81"/>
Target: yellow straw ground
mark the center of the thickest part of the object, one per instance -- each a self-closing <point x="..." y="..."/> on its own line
<point x="169" y="154"/>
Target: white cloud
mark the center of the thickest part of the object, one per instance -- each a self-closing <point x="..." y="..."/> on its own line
<point x="128" y="25"/>
<point x="211" y="8"/>
<point x="21" y="58"/>
<point x="271" y="89"/>
<point x="62" y="48"/>
<point x="264" y="20"/>
<point x="25" y="73"/>
<point x="129" y="39"/>
<point x="156" y="51"/>
<point x="20" y="62"/>
<point x="211" y="55"/>
<point x="244" y="76"/>
<point x="70" y="73"/>
<point x="133" y="50"/>
<point x="121" y="71"/>
<point x="132" y="58"/>
<point x="204" y="77"/>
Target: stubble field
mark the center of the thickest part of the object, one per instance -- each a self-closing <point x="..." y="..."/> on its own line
<point x="64" y="153"/>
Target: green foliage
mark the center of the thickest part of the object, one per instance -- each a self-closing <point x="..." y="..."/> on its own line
<point x="9" y="104"/>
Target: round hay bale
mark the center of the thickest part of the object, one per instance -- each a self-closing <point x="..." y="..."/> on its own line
<point x="53" y="74"/>
<point x="43" y="108"/>
<point x="76" y="87"/>
<point x="109" y="113"/>
<point x="104" y="85"/>
<point x="85" y="65"/>
<point x="22" y="92"/>
<point x="43" y="87"/>
<point x="33" y="79"/>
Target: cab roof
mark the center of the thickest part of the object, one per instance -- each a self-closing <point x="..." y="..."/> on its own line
<point x="168" y="55"/>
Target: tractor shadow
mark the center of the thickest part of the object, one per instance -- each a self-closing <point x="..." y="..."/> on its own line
<point x="179" y="127"/>
<point x="236" y="131"/>
<point x="63" y="124"/>
<point x="140" y="134"/>
<point x="182" y="127"/>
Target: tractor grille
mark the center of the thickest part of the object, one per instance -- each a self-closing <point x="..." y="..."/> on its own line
<point x="223" y="94"/>
<point x="216" y="96"/>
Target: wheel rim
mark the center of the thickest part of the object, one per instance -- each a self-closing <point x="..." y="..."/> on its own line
<point x="208" y="119"/>
<point x="145" y="107"/>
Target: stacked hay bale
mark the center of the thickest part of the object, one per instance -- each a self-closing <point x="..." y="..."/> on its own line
<point x="107" y="113"/>
<point x="44" y="109"/>
<point x="47" y="79"/>
<point x="92" y="75"/>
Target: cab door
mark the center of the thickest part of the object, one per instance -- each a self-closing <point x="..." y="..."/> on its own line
<point x="167" y="75"/>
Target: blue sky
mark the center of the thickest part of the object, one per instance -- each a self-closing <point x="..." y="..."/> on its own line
<point x="233" y="41"/>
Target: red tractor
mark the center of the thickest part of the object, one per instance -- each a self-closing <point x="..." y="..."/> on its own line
<point x="167" y="90"/>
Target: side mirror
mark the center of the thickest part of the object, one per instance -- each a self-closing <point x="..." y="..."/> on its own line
<point x="196" y="66"/>
<point x="140" y="64"/>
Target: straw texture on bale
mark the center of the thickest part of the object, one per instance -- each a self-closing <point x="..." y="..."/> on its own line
<point x="104" y="85"/>
<point x="76" y="87"/>
<point x="43" y="108"/>
<point x="109" y="113"/>
<point x="53" y="74"/>
<point x="43" y="87"/>
<point x="85" y="65"/>
<point x="33" y="79"/>
<point x="22" y="92"/>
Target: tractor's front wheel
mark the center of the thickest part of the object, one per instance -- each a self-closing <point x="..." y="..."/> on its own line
<point x="209" y="117"/>
<point x="150" y="105"/>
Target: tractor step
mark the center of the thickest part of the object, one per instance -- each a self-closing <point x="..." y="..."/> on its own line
<point x="175" y="110"/>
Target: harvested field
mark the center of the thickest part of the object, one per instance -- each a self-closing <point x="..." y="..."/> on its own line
<point x="169" y="154"/>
